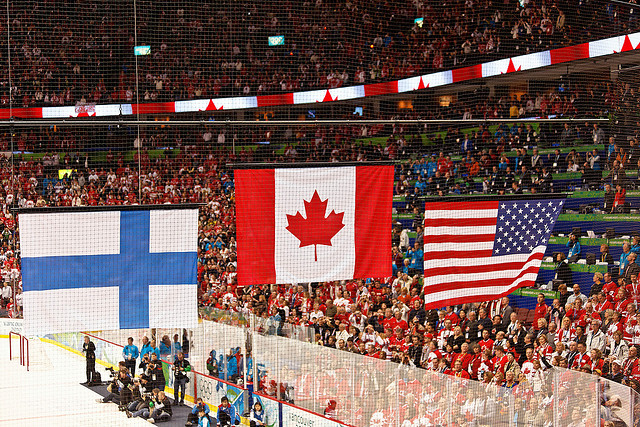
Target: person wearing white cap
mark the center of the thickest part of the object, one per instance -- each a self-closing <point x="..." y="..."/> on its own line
<point x="615" y="373"/>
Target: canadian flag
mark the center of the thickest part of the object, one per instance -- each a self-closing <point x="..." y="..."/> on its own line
<point x="313" y="224"/>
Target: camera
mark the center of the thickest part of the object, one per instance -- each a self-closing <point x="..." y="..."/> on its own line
<point x="111" y="371"/>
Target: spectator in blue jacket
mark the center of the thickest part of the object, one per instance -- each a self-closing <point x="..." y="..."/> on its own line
<point x="574" y="248"/>
<point x="146" y="346"/>
<point x="249" y="368"/>
<point x="626" y="250"/>
<point x="130" y="354"/>
<point x="635" y="245"/>
<point x="466" y="145"/>
<point x="416" y="257"/>
<point x="257" y="417"/>
<point x="232" y="364"/>
<point x="213" y="367"/>
<point x="432" y="167"/>
<point x="227" y="414"/>
<point x="165" y="346"/>
<point x="421" y="185"/>
<point x="200" y="407"/>
<point x="176" y="346"/>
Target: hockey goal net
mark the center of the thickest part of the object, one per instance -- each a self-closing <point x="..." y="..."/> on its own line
<point x="29" y="351"/>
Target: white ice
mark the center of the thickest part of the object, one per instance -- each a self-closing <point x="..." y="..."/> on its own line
<point x="50" y="394"/>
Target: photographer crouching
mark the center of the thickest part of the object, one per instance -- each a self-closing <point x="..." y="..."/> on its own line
<point x="153" y="376"/>
<point x="145" y="406"/>
<point x="119" y="391"/>
<point x="200" y="410"/>
<point x="161" y="409"/>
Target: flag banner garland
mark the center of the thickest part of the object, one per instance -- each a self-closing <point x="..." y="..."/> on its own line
<point x="313" y="224"/>
<point x="480" y="251"/>
<point x="103" y="270"/>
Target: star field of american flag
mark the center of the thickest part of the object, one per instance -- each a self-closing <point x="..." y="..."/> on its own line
<point x="521" y="225"/>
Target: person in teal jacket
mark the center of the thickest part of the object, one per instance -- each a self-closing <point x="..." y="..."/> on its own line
<point x="635" y="246"/>
<point x="574" y="248"/>
<point x="130" y="354"/>
<point x="146" y="346"/>
<point x="227" y="414"/>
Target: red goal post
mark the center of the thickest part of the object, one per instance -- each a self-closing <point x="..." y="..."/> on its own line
<point x="23" y="348"/>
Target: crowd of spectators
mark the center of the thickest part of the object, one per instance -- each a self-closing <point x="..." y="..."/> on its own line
<point x="82" y="52"/>
<point x="380" y="318"/>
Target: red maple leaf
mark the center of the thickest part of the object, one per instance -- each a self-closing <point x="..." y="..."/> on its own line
<point x="315" y="229"/>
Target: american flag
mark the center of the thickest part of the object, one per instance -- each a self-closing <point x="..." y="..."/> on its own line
<point x="480" y="251"/>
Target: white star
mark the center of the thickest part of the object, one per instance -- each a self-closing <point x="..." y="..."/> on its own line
<point x="537" y="215"/>
<point x="497" y="250"/>
<point x="525" y="216"/>
<point x="508" y="249"/>
<point x="519" y="222"/>
<point x="517" y="233"/>
<point x="539" y="204"/>
<point x="501" y="217"/>
<point x="548" y="214"/>
<point x="506" y="223"/>
<point x="508" y="211"/>
<point x="500" y="229"/>
<point x="498" y="240"/>
<point x="510" y="239"/>
<point x="520" y="211"/>
<point x="550" y="203"/>
<point x="526" y="205"/>
<point x="513" y="228"/>
<point x="504" y="244"/>
<point x="519" y="248"/>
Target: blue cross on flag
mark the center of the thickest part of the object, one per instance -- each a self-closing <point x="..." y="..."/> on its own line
<point x="109" y="269"/>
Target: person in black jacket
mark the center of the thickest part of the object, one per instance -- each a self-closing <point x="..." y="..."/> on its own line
<point x="161" y="409"/>
<point x="119" y="391"/>
<point x="89" y="350"/>
<point x="155" y="374"/>
<point x="632" y="269"/>
<point x="609" y="197"/>
<point x="605" y="256"/>
<point x="180" y="366"/>
<point x="417" y="312"/>
<point x="563" y="271"/>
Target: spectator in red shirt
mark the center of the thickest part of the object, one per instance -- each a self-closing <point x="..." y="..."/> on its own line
<point x="540" y="311"/>
<point x="458" y="371"/>
<point x="451" y="315"/>
<point x="486" y="343"/>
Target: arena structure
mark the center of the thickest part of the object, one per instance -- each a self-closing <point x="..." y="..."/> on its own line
<point x="134" y="103"/>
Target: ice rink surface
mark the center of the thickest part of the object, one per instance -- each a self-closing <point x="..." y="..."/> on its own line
<point x="50" y="394"/>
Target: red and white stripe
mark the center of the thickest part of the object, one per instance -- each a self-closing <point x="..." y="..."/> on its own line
<point x="593" y="49"/>
<point x="458" y="262"/>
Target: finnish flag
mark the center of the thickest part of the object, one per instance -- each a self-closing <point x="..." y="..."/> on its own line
<point x="104" y="270"/>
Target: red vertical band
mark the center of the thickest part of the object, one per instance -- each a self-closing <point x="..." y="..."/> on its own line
<point x="256" y="224"/>
<point x="374" y="200"/>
